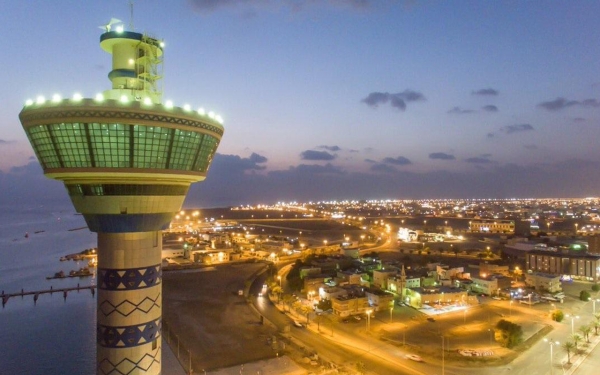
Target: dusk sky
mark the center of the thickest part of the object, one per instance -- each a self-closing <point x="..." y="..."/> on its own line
<point x="338" y="99"/>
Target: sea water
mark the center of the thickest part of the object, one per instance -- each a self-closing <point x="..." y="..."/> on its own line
<point x="55" y="336"/>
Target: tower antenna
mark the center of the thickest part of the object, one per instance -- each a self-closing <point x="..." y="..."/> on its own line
<point x="131" y="15"/>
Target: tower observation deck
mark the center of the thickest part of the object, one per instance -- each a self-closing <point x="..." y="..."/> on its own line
<point x="127" y="161"/>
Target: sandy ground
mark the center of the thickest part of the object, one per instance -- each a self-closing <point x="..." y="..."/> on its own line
<point x="202" y="310"/>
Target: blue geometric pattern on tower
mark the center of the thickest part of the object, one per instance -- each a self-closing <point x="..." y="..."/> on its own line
<point x="128" y="336"/>
<point x="129" y="279"/>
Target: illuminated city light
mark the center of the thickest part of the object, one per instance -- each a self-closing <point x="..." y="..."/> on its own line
<point x="40" y="100"/>
<point x="56" y="98"/>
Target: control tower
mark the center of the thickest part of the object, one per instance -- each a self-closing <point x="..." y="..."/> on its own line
<point x="127" y="161"/>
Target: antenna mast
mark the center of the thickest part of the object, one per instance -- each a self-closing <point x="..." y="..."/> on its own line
<point x="131" y="15"/>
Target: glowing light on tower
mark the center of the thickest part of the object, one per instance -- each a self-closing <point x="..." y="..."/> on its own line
<point x="127" y="162"/>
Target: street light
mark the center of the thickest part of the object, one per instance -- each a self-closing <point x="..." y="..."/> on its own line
<point x="510" y="307"/>
<point x="573" y="317"/>
<point x="391" y="311"/>
<point x="369" y="319"/>
<point x="279" y="278"/>
<point x="576" y="225"/>
<point x="443" y="358"/>
<point x="552" y="343"/>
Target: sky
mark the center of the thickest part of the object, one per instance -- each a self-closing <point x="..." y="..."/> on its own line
<point x="338" y="99"/>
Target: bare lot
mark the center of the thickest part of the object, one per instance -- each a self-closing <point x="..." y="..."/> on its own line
<point x="202" y="309"/>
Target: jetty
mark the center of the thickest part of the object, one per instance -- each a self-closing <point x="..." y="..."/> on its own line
<point x="36" y="293"/>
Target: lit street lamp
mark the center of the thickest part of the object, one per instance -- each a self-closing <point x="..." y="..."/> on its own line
<point x="552" y="343"/>
<point x="573" y="317"/>
<point x="391" y="311"/>
<point x="279" y="278"/>
<point x="369" y="319"/>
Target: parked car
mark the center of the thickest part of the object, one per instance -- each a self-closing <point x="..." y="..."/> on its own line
<point x="356" y="317"/>
<point x="414" y="357"/>
<point x="298" y="324"/>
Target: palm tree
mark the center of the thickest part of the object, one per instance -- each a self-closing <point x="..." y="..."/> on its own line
<point x="568" y="347"/>
<point x="585" y="331"/>
<point x="277" y="290"/>
<point x="596" y="325"/>
<point x="597" y="316"/>
<point x="576" y="338"/>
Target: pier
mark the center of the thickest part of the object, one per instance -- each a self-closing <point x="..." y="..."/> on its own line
<point x="36" y="293"/>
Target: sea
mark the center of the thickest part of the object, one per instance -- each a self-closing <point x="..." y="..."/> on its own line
<point x="55" y="335"/>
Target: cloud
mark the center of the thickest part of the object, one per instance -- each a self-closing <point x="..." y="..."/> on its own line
<point x="531" y="147"/>
<point x="238" y="165"/>
<point x="578" y="119"/>
<point x="228" y="183"/>
<point x="317" y="155"/>
<point x="5" y="142"/>
<point x="257" y="159"/>
<point x="485" y="92"/>
<point x="479" y="160"/>
<point x="511" y="129"/>
<point x="383" y="168"/>
<point x="330" y="148"/>
<point x="371" y="161"/>
<point x="489" y="108"/>
<point x="209" y="6"/>
<point x="460" y="111"/>
<point x="490" y="135"/>
<point x="441" y="156"/>
<point x="562" y="103"/>
<point x="400" y="160"/>
<point x="397" y="100"/>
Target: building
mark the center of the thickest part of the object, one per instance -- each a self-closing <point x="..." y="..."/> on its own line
<point x="543" y="282"/>
<point x="492" y="226"/>
<point x="594" y="244"/>
<point x="436" y="297"/>
<point x="380" y="277"/>
<point x="490" y="269"/>
<point x="578" y="265"/>
<point x="350" y="304"/>
<point x="489" y="284"/>
<point x="127" y="161"/>
<point x="378" y="299"/>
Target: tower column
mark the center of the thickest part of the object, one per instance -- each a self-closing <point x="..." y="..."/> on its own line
<point x="129" y="304"/>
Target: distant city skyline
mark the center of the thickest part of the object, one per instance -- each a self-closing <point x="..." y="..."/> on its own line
<point x="340" y="99"/>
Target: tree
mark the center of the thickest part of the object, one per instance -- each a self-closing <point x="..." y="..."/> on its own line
<point x="277" y="290"/>
<point x="596" y="287"/>
<point x="576" y="338"/>
<point x="557" y="315"/>
<point x="511" y="334"/>
<point x="455" y="250"/>
<point x="324" y="304"/>
<point x="306" y="310"/>
<point x="569" y="347"/>
<point x="585" y="331"/>
<point x="584" y="295"/>
<point x="596" y="325"/>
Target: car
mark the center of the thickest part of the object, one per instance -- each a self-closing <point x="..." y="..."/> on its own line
<point x="414" y="357"/>
<point x="345" y="321"/>
<point x="298" y="324"/>
<point x="356" y="317"/>
<point x="431" y="319"/>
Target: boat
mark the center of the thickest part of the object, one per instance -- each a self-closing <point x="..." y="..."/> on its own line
<point x="57" y="275"/>
<point x="83" y="272"/>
